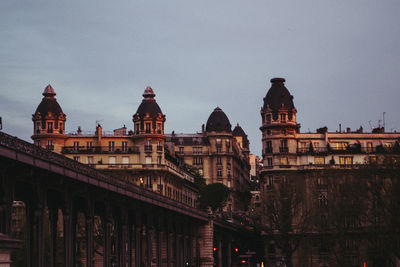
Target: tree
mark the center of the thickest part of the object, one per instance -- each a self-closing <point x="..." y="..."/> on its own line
<point x="286" y="215"/>
<point x="213" y="196"/>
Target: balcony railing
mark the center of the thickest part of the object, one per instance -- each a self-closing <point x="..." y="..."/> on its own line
<point x="99" y="150"/>
<point x="352" y="149"/>
<point x="159" y="148"/>
<point x="148" y="148"/>
<point x="284" y="149"/>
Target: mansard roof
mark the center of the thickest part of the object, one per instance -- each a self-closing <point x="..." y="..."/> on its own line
<point x="218" y="122"/>
<point x="278" y="96"/>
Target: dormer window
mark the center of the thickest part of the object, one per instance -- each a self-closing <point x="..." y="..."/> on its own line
<point x="269" y="118"/>
<point x="148" y="127"/>
<point x="283" y="117"/>
<point x="50" y="127"/>
<point x="159" y="131"/>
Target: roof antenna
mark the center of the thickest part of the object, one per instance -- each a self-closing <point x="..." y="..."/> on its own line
<point x="369" y="122"/>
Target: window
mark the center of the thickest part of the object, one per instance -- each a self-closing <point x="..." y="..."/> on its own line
<point x="270" y="181"/>
<point x="219" y="161"/>
<point x="148" y="127"/>
<point x="269" y="118"/>
<point x="228" y="145"/>
<point x="137" y="128"/>
<point x="50" y="145"/>
<point x="111" y="161"/>
<point x="77" y="158"/>
<point x="148" y="182"/>
<point x="159" y="146"/>
<point x="323" y="199"/>
<point x="124" y="146"/>
<point x="219" y="172"/>
<point x="38" y="127"/>
<point x="125" y="160"/>
<point x="38" y="142"/>
<point x="340" y="146"/>
<point x="111" y="146"/>
<point x="159" y="160"/>
<point x="284" y="161"/>
<point x="284" y="146"/>
<point x="372" y="159"/>
<point x="268" y="147"/>
<point x="159" y="128"/>
<point x="181" y="149"/>
<point x="319" y="160"/>
<point x="76" y="146"/>
<point x="228" y="172"/>
<point x="148" y="160"/>
<point x="219" y="145"/>
<point x="369" y="147"/>
<point x="197" y="161"/>
<point x="197" y="150"/>
<point x="269" y="162"/>
<point x="346" y="161"/>
<point x="147" y="146"/>
<point x="89" y="145"/>
<point x="50" y="127"/>
<point x="90" y="160"/>
<point x="283" y="117"/>
<point x="61" y="128"/>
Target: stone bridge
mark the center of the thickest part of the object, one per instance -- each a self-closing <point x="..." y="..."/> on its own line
<point x="70" y="214"/>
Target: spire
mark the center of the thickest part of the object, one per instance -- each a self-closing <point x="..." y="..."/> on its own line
<point x="148" y="93"/>
<point x="49" y="91"/>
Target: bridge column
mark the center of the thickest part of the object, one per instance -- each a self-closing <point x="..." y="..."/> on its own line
<point x="7" y="197"/>
<point x="69" y="246"/>
<point x="219" y="251"/>
<point x="163" y="242"/>
<point x="29" y="232"/>
<point x="206" y="242"/>
<point x="39" y="223"/>
<point x="151" y="244"/>
<point x="170" y="244"/>
<point x="138" y="238"/>
<point x="229" y="250"/>
<point x="124" y="238"/>
<point x="53" y="217"/>
<point x="89" y="216"/>
<point x="107" y="228"/>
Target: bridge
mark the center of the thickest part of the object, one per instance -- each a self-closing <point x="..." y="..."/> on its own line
<point x="70" y="214"/>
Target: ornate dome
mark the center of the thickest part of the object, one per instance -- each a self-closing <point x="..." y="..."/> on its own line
<point x="218" y="122"/>
<point x="149" y="104"/>
<point x="278" y="96"/>
<point x="49" y="103"/>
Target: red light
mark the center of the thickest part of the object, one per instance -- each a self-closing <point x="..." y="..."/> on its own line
<point x="215" y="249"/>
<point x="365" y="264"/>
<point x="243" y="261"/>
<point x="236" y="249"/>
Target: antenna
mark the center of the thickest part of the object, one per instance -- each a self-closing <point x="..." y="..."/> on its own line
<point x="384" y="119"/>
<point x="369" y="122"/>
<point x="98" y="121"/>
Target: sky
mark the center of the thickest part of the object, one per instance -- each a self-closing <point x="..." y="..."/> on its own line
<point x="340" y="59"/>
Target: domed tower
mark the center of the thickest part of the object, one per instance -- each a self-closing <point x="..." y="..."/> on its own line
<point x="279" y="126"/>
<point x="49" y="122"/>
<point x="149" y="128"/>
<point x="149" y="119"/>
<point x="241" y="138"/>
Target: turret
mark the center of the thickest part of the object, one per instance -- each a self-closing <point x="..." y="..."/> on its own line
<point x="48" y="120"/>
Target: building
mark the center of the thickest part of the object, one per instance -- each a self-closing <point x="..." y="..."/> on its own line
<point x="310" y="180"/>
<point x="138" y="156"/>
<point x="219" y="154"/>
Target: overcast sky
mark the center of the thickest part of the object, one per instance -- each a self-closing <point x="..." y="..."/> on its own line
<point x="340" y="58"/>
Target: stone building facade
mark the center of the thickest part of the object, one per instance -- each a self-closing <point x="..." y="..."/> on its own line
<point x="138" y="156"/>
<point x="306" y="175"/>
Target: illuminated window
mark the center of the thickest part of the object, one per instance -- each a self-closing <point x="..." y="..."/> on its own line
<point x="125" y="160"/>
<point x="148" y="160"/>
<point x="345" y="160"/>
<point x="369" y="147"/>
<point x="340" y="146"/>
<point x="319" y="160"/>
<point x="284" y="161"/>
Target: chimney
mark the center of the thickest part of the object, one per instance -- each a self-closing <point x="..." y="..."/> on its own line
<point x="99" y="132"/>
<point x="348" y="129"/>
<point x="340" y="127"/>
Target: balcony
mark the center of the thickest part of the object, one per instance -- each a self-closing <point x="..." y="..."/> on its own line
<point x="283" y="149"/>
<point x="148" y="148"/>
<point x="159" y="148"/>
<point x="99" y="150"/>
<point x="351" y="149"/>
